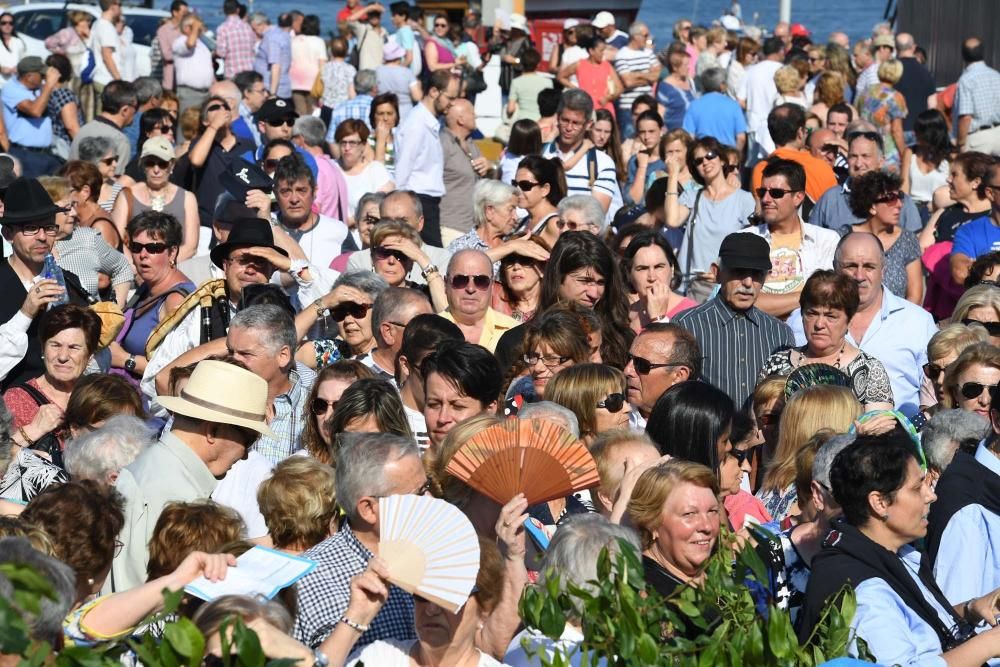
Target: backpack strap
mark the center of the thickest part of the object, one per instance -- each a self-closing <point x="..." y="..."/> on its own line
<point x="591" y="168"/>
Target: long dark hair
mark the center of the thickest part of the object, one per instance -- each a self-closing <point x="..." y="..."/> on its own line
<point x="583" y="250"/>
<point x="614" y="145"/>
<point x="644" y="239"/>
<point x="688" y="420"/>
<point x="525" y="138"/>
<point x="933" y="141"/>
<point x="13" y="30"/>
<point x="151" y="119"/>
<point x="548" y="171"/>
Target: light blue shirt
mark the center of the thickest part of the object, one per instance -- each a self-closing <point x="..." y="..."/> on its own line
<point x="275" y="47"/>
<point x="898" y="338"/>
<point x="895" y="634"/>
<point x="22" y="129"/>
<point x="968" y="560"/>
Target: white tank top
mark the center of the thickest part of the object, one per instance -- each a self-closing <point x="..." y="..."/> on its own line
<point x="922" y="186"/>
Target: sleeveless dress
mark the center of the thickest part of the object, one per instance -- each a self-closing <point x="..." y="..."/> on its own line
<point x="594" y="80"/>
<point x="143" y="323"/>
<point x="174" y="207"/>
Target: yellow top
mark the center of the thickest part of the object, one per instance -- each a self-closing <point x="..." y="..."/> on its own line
<point x="494" y="326"/>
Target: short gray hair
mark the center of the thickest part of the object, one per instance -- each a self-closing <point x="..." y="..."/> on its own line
<point x="388" y="306"/>
<point x="273" y="322"/>
<point x="259" y="18"/>
<point x="365" y="81"/>
<point x="489" y="192"/>
<point x="92" y="149"/>
<point x="368" y="198"/>
<point x="361" y="462"/>
<point x="576" y="99"/>
<point x="575" y="548"/>
<point x="418" y="208"/>
<point x="47" y="625"/>
<point x="553" y="412"/>
<point x="586" y="204"/>
<point x="146" y="88"/>
<point x="713" y="80"/>
<point x="311" y="129"/>
<point x="947" y="431"/>
<point x="107" y="450"/>
<point x="370" y="283"/>
<point x="636" y="29"/>
<point x="825" y="455"/>
<point x="211" y="615"/>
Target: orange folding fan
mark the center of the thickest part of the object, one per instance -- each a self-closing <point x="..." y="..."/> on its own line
<point x="531" y="456"/>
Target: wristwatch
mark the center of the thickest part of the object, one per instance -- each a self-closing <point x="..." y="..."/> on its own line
<point x="320" y="659"/>
<point x="130" y="364"/>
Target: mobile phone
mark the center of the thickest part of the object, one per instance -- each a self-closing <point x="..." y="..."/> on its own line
<point x="537" y="535"/>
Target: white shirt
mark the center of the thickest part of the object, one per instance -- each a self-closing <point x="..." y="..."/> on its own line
<point x="10" y="57"/>
<point x="321" y="244"/>
<point x="373" y="177"/>
<point x="362" y="261"/>
<point x="418" y="426"/>
<point x="758" y="90"/>
<point x="193" y="67"/>
<point x="568" y="645"/>
<point x="238" y="491"/>
<point x="867" y="79"/>
<point x="128" y="68"/>
<point x="103" y="35"/>
<point x="13" y="342"/>
<point x="419" y="157"/>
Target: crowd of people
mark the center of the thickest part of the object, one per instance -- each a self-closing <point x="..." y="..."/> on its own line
<point x="279" y="279"/>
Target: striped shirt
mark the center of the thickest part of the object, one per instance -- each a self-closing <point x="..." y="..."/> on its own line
<point x="578" y="179"/>
<point x="735" y="344"/>
<point x="630" y="60"/>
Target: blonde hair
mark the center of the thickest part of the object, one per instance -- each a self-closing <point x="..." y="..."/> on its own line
<point x="57" y="187"/>
<point x="603" y="448"/>
<point x="436" y="460"/>
<point x="980" y="296"/>
<point x="890" y="71"/>
<point x="387" y="228"/>
<point x="299" y="502"/>
<point x="787" y="79"/>
<point x="980" y="354"/>
<point x="953" y="338"/>
<point x="645" y="507"/>
<point x="11" y="526"/>
<point x="808" y="411"/>
<point x="580" y="387"/>
<point x="771" y="388"/>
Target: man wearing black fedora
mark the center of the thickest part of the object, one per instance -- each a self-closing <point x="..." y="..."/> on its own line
<point x="29" y="225"/>
<point x="244" y="259"/>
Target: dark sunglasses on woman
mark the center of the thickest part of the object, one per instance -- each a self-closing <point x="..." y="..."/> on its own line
<point x="459" y="281"/>
<point x="355" y="310"/>
<point x="710" y="155"/>
<point x="971" y="390"/>
<point x="613" y="402"/>
<point x="525" y="186"/>
<point x="320" y="406"/>
<point x="992" y="328"/>
<point x="135" y="247"/>
<point x="743" y="455"/>
<point x="889" y="197"/>
<point x="385" y="253"/>
<point x="933" y="371"/>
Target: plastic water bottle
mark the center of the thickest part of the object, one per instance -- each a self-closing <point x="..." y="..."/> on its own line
<point x="53" y="272"/>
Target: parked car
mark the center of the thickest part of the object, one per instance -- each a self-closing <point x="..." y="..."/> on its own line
<point x="36" y="21"/>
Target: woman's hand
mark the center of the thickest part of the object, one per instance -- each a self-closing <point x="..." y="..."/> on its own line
<point x="876" y="425"/>
<point x="408" y="248"/>
<point x="657" y="301"/>
<point x="369" y="591"/>
<point x="41" y="295"/>
<point x="985" y="608"/>
<point x="47" y="419"/>
<point x="382" y="132"/>
<point x="525" y="247"/>
<point x="200" y="564"/>
<point x="510" y="528"/>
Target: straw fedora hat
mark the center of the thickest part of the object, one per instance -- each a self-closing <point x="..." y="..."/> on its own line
<point x="225" y="394"/>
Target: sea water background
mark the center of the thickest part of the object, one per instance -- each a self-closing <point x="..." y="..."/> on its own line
<point x="855" y="17"/>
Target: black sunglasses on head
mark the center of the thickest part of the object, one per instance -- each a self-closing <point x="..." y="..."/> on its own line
<point x="992" y="328"/>
<point x="613" y="403"/>
<point x="355" y="310"/>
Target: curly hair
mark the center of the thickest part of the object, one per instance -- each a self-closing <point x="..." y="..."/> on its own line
<point x="299" y="502"/>
<point x="187" y="527"/>
<point x="82" y="519"/>
<point x="866" y="189"/>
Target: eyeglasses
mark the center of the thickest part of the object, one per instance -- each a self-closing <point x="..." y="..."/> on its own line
<point x="971" y="390"/>
<point x="119" y="545"/>
<point x="776" y="193"/>
<point x="525" y="186"/>
<point x="135" y="247"/>
<point x="933" y="371"/>
<point x="163" y="128"/>
<point x="710" y="155"/>
<point x="992" y="328"/>
<point x="729" y="168"/>
<point x="460" y="281"/>
<point x="889" y="197"/>
<point x="440" y="25"/>
<point x="816" y="59"/>
<point x="31" y="230"/>
<point x="424" y="488"/>
<point x="6" y="23"/>
<point x="644" y="366"/>
<point x="109" y="160"/>
<point x="150" y="162"/>
<point x="216" y="107"/>
<point x="350" y="142"/>
<point x="320" y="406"/>
<point x="385" y="253"/>
<point x="743" y="455"/>
<point x="355" y="310"/>
<point x="281" y="121"/>
<point x="612" y="402"/>
<point x="549" y="360"/>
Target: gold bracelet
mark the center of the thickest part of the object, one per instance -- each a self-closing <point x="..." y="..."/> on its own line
<point x="27" y="441"/>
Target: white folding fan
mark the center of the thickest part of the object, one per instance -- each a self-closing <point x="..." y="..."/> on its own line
<point x="430" y="548"/>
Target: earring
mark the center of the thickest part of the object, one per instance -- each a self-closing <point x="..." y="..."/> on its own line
<point x="885" y="517"/>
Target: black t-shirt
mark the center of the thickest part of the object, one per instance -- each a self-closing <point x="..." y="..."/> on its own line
<point x="951" y="219"/>
<point x="916" y="85"/>
<point x="205" y="181"/>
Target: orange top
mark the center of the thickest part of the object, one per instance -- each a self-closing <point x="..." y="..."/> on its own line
<point x="819" y="175"/>
<point x="594" y="79"/>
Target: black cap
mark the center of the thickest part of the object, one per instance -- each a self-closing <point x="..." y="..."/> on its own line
<point x="242" y="177"/>
<point x="745" y="250"/>
<point x="274" y="109"/>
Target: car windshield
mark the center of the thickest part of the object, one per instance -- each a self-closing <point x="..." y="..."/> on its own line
<point x="143" y="27"/>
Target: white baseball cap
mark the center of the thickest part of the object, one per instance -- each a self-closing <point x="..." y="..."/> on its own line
<point x="603" y="20"/>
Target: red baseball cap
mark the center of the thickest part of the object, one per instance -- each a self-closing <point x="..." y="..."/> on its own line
<point x="799" y="30"/>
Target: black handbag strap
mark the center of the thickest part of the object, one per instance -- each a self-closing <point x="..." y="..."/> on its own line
<point x="690" y="232"/>
<point x="37" y="396"/>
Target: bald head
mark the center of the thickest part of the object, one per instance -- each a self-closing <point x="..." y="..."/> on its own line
<point x="818" y="139"/>
<point x="972" y="50"/>
<point x="228" y="91"/>
<point x="840" y="39"/>
<point x="861" y="256"/>
<point x="905" y="45"/>
<point x="461" y="117"/>
<point x="465" y="260"/>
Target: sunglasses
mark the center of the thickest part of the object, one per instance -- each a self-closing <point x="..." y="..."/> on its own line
<point x="155" y="162"/>
<point x="440" y="25"/>
<point x="216" y="107"/>
<point x="135" y="247"/>
<point x="889" y="197"/>
<point x="271" y="164"/>
<point x="743" y="455"/>
<point x="280" y="121"/>
<point x="768" y="419"/>
<point x="549" y="361"/>
<point x="511" y="260"/>
<point x="371" y="220"/>
<point x="992" y="328"/>
<point x="776" y="193"/>
<point x="460" y="281"/>
<point x="729" y="168"/>
<point x="386" y="253"/>
<point x="320" y="406"/>
<point x="830" y="148"/>
<point x="355" y="310"/>
<point x="6" y="23"/>
<point x="933" y="371"/>
<point x="645" y="366"/>
<point x="710" y="155"/>
<point x="525" y="186"/>
<point x="971" y="390"/>
<point x="870" y="136"/>
<point x="109" y="160"/>
<point x="613" y="403"/>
